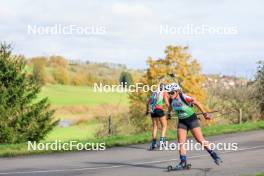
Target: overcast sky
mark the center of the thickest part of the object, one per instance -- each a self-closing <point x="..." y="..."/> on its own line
<point x="128" y="32"/>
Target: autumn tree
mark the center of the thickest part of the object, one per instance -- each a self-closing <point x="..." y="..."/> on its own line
<point x="60" y="61"/>
<point x="61" y="75"/>
<point x="41" y="60"/>
<point x="186" y="69"/>
<point x="60" y="69"/>
<point x="177" y="61"/>
<point x="39" y="68"/>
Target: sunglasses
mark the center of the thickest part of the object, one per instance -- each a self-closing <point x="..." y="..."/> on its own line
<point x="171" y="93"/>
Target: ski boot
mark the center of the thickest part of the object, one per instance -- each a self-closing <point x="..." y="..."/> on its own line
<point x="153" y="147"/>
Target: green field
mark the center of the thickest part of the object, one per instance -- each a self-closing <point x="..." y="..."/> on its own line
<point x="72" y="97"/>
<point x="80" y="131"/>
<point x="81" y="95"/>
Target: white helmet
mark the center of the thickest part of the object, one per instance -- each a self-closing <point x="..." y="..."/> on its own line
<point x="172" y="87"/>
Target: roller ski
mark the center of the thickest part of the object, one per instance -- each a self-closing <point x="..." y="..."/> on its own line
<point x="153" y="145"/>
<point x="181" y="166"/>
<point x="162" y="143"/>
<point x="216" y="158"/>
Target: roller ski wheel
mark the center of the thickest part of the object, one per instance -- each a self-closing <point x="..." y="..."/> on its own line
<point x="179" y="167"/>
<point x="169" y="168"/>
<point x="188" y="166"/>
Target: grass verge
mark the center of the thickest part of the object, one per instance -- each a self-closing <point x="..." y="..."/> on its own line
<point x="260" y="174"/>
<point x="9" y="150"/>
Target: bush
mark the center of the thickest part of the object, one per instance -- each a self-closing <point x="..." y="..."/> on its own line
<point x="137" y="112"/>
<point x="231" y="101"/>
<point x="120" y="125"/>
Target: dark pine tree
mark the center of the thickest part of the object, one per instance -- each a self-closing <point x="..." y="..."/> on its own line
<point x="259" y="96"/>
<point x="22" y="116"/>
<point x="126" y="78"/>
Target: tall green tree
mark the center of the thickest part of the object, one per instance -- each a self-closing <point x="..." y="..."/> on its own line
<point x="260" y="86"/>
<point x="22" y="117"/>
<point x="126" y="78"/>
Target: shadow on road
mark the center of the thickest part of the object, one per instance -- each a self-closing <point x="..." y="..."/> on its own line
<point x="136" y="147"/>
<point x="126" y="164"/>
<point x="204" y="171"/>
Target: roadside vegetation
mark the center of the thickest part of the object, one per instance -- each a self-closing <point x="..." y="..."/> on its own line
<point x="260" y="174"/>
<point x="9" y="150"/>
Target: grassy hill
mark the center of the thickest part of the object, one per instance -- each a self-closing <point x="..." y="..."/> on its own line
<point x="58" y="70"/>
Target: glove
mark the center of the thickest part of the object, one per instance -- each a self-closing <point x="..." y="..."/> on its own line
<point x="169" y="115"/>
<point x="147" y="112"/>
<point x="207" y="116"/>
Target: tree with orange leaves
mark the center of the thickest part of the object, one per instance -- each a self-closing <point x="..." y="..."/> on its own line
<point x="177" y="61"/>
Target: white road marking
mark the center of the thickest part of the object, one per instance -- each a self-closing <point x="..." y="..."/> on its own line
<point x="120" y="165"/>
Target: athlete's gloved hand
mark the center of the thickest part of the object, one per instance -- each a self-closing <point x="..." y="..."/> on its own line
<point x="147" y="112"/>
<point x="207" y="116"/>
<point x="169" y="115"/>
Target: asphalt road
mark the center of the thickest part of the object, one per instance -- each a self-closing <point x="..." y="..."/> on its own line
<point x="136" y="160"/>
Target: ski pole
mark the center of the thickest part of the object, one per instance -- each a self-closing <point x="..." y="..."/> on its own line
<point x="211" y="112"/>
<point x="228" y="112"/>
